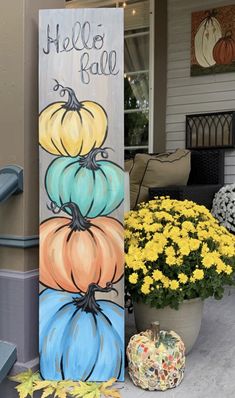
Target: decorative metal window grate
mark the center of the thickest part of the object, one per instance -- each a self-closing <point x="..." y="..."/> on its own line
<point x="210" y="130"/>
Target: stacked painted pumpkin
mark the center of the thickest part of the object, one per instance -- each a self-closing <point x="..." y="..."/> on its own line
<point x="81" y="251"/>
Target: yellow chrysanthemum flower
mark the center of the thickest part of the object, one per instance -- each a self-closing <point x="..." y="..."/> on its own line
<point x="145" y="288"/>
<point x="127" y="234"/>
<point x="133" y="278"/>
<point x="220" y="266"/>
<point x="150" y="255"/>
<point x="208" y="261"/>
<point x="188" y="226"/>
<point x="194" y="244"/>
<point x="165" y="282"/>
<point x="227" y="250"/>
<point x="183" y="278"/>
<point x="198" y="274"/>
<point x="148" y="280"/>
<point x="170" y="260"/>
<point x="179" y="260"/>
<point x="157" y="275"/>
<point x="205" y="249"/>
<point x="174" y="284"/>
<point x="228" y="270"/>
<point x="170" y="251"/>
<point x="184" y="249"/>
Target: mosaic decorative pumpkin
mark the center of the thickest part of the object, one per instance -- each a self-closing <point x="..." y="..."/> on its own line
<point x="156" y="359"/>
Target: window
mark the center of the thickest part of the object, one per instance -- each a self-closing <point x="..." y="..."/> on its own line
<point x="138" y="67"/>
<point x="138" y="77"/>
<point x="136" y="90"/>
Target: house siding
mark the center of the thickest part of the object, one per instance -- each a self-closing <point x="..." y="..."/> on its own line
<point x="198" y="94"/>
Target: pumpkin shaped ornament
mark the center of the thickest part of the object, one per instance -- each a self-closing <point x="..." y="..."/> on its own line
<point x="96" y="186"/>
<point x="80" y="338"/>
<point x="72" y="128"/>
<point x="224" y="49"/>
<point x="207" y="35"/>
<point x="156" y="359"/>
<point x="75" y="251"/>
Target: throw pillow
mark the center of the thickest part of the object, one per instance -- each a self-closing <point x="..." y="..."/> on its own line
<point x="161" y="170"/>
<point x="128" y="165"/>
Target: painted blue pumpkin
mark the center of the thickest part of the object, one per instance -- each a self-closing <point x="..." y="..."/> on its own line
<point x="80" y="338"/>
<point x="96" y="186"/>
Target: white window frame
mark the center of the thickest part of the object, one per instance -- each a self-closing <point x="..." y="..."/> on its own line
<point x="150" y="71"/>
<point x="91" y="3"/>
<point x="103" y="3"/>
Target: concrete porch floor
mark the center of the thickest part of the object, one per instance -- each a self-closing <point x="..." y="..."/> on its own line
<point x="210" y="367"/>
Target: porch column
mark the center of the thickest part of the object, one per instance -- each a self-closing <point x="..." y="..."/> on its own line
<point x="19" y="146"/>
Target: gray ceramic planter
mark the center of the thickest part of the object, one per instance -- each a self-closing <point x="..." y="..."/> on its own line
<point x="186" y="321"/>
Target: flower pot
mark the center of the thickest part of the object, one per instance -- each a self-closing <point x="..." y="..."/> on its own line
<point x="186" y="321"/>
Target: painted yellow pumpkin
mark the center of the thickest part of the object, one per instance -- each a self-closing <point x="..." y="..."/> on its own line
<point x="72" y="128"/>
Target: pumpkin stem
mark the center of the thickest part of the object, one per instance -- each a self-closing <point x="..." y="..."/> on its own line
<point x="72" y="104"/>
<point x="88" y="302"/>
<point x="78" y="223"/>
<point x="212" y="13"/>
<point x="228" y="33"/>
<point x="155" y="331"/>
<point x="90" y="162"/>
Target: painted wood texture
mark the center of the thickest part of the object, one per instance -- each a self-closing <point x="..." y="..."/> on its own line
<point x="81" y="194"/>
<point x="193" y="94"/>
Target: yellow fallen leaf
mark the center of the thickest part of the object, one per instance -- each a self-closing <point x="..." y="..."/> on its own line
<point x="26" y="380"/>
<point x="25" y="376"/>
<point x="41" y="384"/>
<point x="107" y="392"/>
<point x="60" y="392"/>
<point x="92" y="394"/>
<point x="111" y="393"/>
<point x="47" y="392"/>
<point x="30" y="382"/>
<point x="83" y="389"/>
<point x="108" y="383"/>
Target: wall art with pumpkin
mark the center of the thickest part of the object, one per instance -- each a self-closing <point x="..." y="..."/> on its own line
<point x="213" y="41"/>
<point x="81" y="315"/>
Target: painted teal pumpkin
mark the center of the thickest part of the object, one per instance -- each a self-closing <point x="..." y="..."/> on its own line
<point x="96" y="186"/>
<point x="80" y="338"/>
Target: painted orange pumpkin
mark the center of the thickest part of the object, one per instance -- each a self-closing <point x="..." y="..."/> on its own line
<point x="75" y="252"/>
<point x="224" y="50"/>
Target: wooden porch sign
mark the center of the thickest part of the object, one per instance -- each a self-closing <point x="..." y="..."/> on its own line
<point x="81" y="194"/>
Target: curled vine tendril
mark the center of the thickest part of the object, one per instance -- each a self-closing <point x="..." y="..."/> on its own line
<point x="72" y="103"/>
<point x="54" y="208"/>
<point x="63" y="89"/>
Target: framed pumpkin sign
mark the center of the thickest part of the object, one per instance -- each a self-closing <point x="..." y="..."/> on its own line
<point x="213" y="41"/>
<point x="81" y="334"/>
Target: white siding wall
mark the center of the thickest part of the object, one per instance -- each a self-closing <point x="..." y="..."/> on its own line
<point x="187" y="94"/>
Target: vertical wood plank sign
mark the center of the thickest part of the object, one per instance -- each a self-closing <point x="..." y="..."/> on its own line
<point x="81" y="194"/>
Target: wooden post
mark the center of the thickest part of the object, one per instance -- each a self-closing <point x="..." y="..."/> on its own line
<point x="81" y="194"/>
